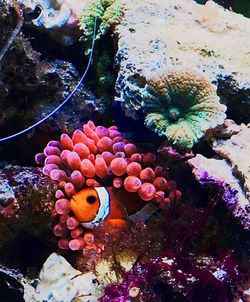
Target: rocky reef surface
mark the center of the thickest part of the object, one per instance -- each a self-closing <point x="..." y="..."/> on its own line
<point x="176" y="69"/>
<point x="59" y="281"/>
<point x="26" y="216"/>
<point x="32" y="87"/>
<point x="184" y="33"/>
<point x="230" y="171"/>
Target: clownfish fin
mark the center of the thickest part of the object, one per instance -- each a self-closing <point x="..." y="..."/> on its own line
<point x="117" y="222"/>
<point x="148" y="210"/>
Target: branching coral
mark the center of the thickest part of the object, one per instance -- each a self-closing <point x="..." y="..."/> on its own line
<point x="100" y="157"/>
<point x="108" y="13"/>
<point x="181" y="105"/>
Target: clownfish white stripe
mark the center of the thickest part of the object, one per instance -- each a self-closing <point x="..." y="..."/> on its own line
<point x="104" y="209"/>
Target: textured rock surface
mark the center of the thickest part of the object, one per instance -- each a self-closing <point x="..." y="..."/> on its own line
<point x="237" y="151"/>
<point x="184" y="33"/>
<point x="11" y="288"/>
<point x="230" y="172"/>
<point x="26" y="214"/>
<point x="188" y="285"/>
<point x="218" y="173"/>
<point x="31" y="88"/>
<point x="238" y="6"/>
<point x="56" y="18"/>
<point x="59" y="281"/>
<point x="26" y="80"/>
<point x="21" y="188"/>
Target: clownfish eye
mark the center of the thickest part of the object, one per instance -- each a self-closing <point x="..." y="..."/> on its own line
<point x="91" y="199"/>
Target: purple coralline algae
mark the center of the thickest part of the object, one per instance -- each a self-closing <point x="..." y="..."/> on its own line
<point x="204" y="279"/>
<point x="230" y="172"/>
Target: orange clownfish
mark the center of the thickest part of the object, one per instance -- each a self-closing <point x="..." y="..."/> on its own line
<point x="92" y="206"/>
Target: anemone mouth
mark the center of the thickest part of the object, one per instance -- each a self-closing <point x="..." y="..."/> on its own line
<point x="173" y="114"/>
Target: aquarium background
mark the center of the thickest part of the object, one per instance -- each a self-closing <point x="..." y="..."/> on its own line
<point x="157" y="129"/>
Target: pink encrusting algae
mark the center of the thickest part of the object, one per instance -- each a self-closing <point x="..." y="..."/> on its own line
<point x="100" y="157"/>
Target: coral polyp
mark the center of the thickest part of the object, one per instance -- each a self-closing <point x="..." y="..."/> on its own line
<point x="181" y="105"/>
<point x="103" y="179"/>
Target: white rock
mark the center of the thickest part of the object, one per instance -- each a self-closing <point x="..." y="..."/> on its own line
<point x="60" y="282"/>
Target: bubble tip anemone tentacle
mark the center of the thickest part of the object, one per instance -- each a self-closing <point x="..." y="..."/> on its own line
<point x="99" y="162"/>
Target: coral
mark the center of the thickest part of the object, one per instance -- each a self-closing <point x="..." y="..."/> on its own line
<point x="123" y="249"/>
<point x="178" y="34"/>
<point x="60" y="19"/>
<point x="95" y="157"/>
<point x="185" y="253"/>
<point x="104" y="77"/>
<point x="181" y="105"/>
<point x="171" y="155"/>
<point x="217" y="173"/>
<point x="7" y="13"/>
<point x="108" y="13"/>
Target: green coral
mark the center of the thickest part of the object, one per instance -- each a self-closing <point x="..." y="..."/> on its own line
<point x="108" y="13"/>
<point x="104" y="75"/>
<point x="181" y="105"/>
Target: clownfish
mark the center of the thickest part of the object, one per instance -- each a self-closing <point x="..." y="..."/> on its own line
<point x="92" y="206"/>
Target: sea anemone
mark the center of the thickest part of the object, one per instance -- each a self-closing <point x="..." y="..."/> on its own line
<point x="94" y="157"/>
<point x="181" y="105"/>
